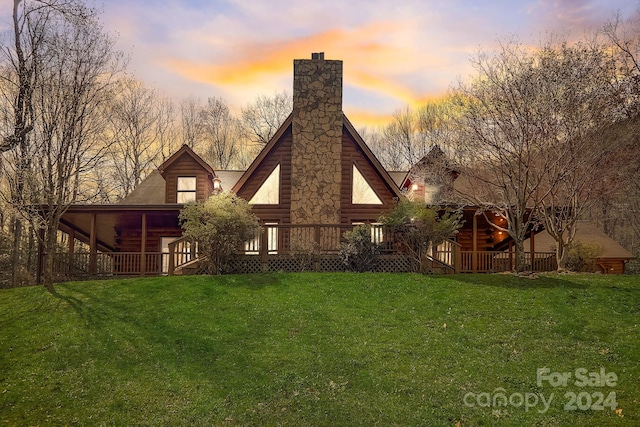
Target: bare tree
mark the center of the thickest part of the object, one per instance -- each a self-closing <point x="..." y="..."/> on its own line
<point x="436" y="124"/>
<point x="522" y="127"/>
<point x="262" y="118"/>
<point x="412" y="133"/>
<point x="22" y="63"/>
<point x="21" y="72"/>
<point x="139" y="122"/>
<point x="373" y="138"/>
<point x="402" y="137"/>
<point x="221" y="134"/>
<point x="576" y="83"/>
<point x="190" y="109"/>
<point x="624" y="39"/>
<point x="78" y="68"/>
<point x="618" y="207"/>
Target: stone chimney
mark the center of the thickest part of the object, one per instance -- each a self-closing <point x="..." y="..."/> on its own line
<point x="316" y="170"/>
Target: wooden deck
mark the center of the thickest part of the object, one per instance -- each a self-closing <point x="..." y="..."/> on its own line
<point x="290" y="248"/>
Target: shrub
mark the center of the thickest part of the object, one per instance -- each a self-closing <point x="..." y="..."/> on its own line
<point x="418" y="228"/>
<point x="633" y="266"/>
<point x="219" y="226"/>
<point x="357" y="251"/>
<point x="581" y="257"/>
<point x="304" y="251"/>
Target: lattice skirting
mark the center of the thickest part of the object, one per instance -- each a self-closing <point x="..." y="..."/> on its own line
<point x="252" y="264"/>
<point x="395" y="264"/>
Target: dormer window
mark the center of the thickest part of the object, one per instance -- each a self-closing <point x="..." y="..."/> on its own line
<point x="186" y="189"/>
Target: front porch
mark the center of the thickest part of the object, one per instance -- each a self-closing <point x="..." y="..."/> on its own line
<point x="285" y="247"/>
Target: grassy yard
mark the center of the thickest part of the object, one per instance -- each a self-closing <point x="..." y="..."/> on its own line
<point x="323" y="349"/>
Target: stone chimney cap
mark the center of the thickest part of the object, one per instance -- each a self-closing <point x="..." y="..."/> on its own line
<point x="318" y="55"/>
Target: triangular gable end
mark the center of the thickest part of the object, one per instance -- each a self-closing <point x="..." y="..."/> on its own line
<point x="266" y="151"/>
<point x="372" y="159"/>
<point x="186" y="166"/>
<point x="186" y="150"/>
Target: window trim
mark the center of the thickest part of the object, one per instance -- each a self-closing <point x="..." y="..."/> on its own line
<point x="180" y="192"/>
<point x="277" y="177"/>
<point x="354" y="169"/>
<point x="252" y="246"/>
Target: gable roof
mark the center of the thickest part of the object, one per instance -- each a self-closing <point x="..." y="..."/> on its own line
<point x="185" y="150"/>
<point x="228" y="178"/>
<point x="436" y="159"/>
<point x="151" y="191"/>
<point x="371" y="157"/>
<point x="586" y="232"/>
<point x="386" y="177"/>
<point x="263" y="154"/>
<point x="398" y="177"/>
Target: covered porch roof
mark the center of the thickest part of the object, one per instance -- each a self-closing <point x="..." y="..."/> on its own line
<point x="102" y="221"/>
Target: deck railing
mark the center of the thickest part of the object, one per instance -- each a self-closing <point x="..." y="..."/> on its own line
<point x="494" y="262"/>
<point x="101" y="264"/>
<point x="278" y="240"/>
<point x="447" y="254"/>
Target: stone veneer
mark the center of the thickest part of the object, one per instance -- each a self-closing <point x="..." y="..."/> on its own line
<point x="317" y="141"/>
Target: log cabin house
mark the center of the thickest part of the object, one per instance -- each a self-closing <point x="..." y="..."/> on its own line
<point x="314" y="179"/>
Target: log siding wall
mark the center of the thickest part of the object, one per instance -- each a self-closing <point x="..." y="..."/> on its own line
<point x="187" y="166"/>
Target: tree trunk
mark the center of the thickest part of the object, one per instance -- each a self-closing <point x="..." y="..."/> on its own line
<point x="31" y="250"/>
<point x="520" y="258"/>
<point x="16" y="252"/>
<point x="561" y="257"/>
<point x="49" y="252"/>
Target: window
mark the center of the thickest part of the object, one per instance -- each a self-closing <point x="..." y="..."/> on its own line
<point x="269" y="191"/>
<point x="252" y="247"/>
<point x="361" y="191"/>
<point x="186" y="189"/>
<point x="431" y="192"/>
<point x="377" y="231"/>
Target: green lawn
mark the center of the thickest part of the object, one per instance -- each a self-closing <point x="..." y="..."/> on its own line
<point x="322" y="349"/>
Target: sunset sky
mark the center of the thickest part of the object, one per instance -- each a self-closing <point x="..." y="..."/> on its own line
<point x="395" y="53"/>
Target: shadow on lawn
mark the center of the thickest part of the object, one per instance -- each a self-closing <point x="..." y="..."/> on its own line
<point x="75" y="303"/>
<point x="184" y="328"/>
<point x="512" y="281"/>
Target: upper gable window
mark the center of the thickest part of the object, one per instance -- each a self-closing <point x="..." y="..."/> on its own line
<point x="186" y="189"/>
<point x="269" y="191"/>
<point x="361" y="191"/>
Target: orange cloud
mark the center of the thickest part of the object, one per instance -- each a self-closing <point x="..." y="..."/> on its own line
<point x="251" y="63"/>
<point x="367" y="118"/>
<point x="388" y="87"/>
<point x="372" y="54"/>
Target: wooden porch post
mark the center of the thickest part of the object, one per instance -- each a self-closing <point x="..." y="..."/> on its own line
<point x="72" y="238"/>
<point x="72" y="243"/>
<point x="532" y="249"/>
<point x="41" y="255"/>
<point x="474" y="260"/>
<point x="93" y="252"/>
<point x="457" y="257"/>
<point x="143" y="245"/>
<point x="172" y="260"/>
<point x="316" y="237"/>
<point x="264" y="248"/>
